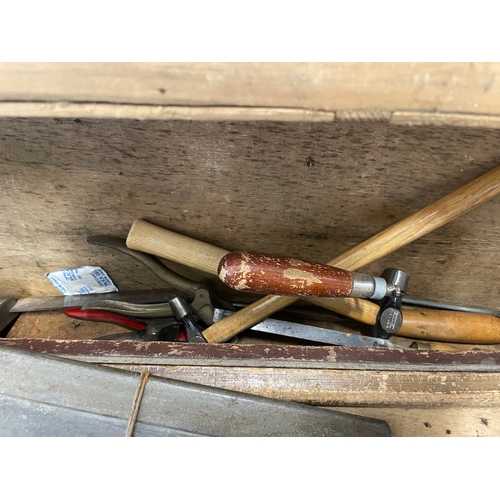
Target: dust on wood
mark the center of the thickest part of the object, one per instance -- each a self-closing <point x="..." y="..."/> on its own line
<point x="56" y="325"/>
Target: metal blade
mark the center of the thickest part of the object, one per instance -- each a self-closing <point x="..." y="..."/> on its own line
<point x="313" y="333"/>
<point x="63" y="301"/>
<point x="449" y="307"/>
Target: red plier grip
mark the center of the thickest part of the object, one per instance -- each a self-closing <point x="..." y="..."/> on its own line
<point x="107" y="317"/>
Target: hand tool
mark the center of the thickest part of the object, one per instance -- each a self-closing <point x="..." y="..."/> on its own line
<point x="184" y="313"/>
<point x="53" y="303"/>
<point x="429" y="324"/>
<point x="390" y="316"/>
<point x="259" y="272"/>
<point x="165" y="329"/>
<point x="202" y="299"/>
<point x="167" y="244"/>
<point x="313" y="333"/>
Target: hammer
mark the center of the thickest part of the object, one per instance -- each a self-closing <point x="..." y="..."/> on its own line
<point x="258" y="272"/>
<point x="158" y="241"/>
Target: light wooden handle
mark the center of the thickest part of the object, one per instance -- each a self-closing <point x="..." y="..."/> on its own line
<point x="413" y="227"/>
<point x="358" y="309"/>
<point x="426" y="324"/>
<point x="161" y="242"/>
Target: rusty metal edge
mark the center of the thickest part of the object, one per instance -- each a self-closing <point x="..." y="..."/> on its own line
<point x="260" y="356"/>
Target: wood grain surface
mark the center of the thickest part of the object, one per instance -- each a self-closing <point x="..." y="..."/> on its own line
<point x="436" y="422"/>
<point x="157" y="112"/>
<point x="57" y="325"/>
<point x="310" y="190"/>
<point x="453" y="87"/>
<point x="344" y="387"/>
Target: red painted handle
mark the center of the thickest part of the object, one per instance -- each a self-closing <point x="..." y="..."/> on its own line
<point x="279" y="275"/>
<point x="107" y="317"/>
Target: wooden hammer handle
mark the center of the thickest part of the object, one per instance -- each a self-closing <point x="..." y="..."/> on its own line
<point x="280" y="275"/>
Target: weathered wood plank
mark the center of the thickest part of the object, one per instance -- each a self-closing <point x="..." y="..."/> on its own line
<point x="262" y="356"/>
<point x="344" y="387"/>
<point x="445" y="119"/>
<point x="312" y="190"/>
<point x="436" y="422"/>
<point x="456" y="87"/>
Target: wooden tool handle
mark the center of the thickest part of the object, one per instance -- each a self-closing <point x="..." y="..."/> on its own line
<point x="450" y="326"/>
<point x="279" y="275"/>
<point x="413" y="227"/>
<point x="426" y="324"/>
<point x="161" y="242"/>
<point x="360" y="310"/>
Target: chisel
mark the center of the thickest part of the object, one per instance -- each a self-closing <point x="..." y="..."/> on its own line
<point x="312" y="333"/>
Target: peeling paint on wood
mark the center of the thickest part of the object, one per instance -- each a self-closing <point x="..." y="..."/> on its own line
<point x="262" y="355"/>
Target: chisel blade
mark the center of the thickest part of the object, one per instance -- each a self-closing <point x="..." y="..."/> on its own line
<point x="313" y="333"/>
<point x="31" y="304"/>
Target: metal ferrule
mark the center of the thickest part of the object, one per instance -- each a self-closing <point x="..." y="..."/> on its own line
<point x="368" y="287"/>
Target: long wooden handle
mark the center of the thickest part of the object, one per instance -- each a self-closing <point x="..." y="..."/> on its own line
<point x="413" y="227"/>
<point x="280" y="275"/>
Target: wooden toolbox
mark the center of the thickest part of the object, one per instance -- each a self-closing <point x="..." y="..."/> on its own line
<point x="307" y="160"/>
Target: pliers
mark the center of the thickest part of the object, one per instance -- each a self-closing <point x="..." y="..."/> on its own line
<point x="164" y="329"/>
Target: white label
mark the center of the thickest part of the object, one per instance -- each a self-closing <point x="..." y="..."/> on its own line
<point x="82" y="281"/>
